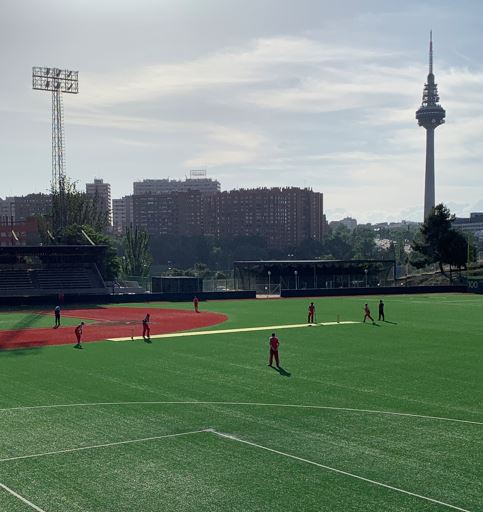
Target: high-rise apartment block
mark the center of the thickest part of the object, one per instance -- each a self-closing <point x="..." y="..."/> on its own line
<point x="7" y="210"/>
<point x="196" y="182"/>
<point x="31" y="205"/>
<point x="284" y="217"/>
<point x="122" y="214"/>
<point x="101" y="192"/>
<point x="176" y="213"/>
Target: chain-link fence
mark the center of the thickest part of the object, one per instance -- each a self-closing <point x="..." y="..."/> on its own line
<point x="219" y="285"/>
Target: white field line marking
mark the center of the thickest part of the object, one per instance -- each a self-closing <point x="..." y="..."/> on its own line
<point x="335" y="470"/>
<point x="254" y="404"/>
<point x="21" y="498"/>
<point x="105" y="445"/>
<point x="226" y="331"/>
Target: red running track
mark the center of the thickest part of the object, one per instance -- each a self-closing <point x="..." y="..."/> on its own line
<point x="110" y="323"/>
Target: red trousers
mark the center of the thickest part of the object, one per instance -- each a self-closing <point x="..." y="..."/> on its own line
<point x="310" y="318"/>
<point x="78" y="336"/>
<point x="274" y="354"/>
<point x="367" y="315"/>
<point x="145" y="330"/>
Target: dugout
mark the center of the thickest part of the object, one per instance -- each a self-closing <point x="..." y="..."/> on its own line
<point x="275" y="275"/>
<point x="177" y="284"/>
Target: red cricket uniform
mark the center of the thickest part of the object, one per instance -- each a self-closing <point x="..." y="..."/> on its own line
<point x="367" y="313"/>
<point x="78" y="333"/>
<point x="274" y="344"/>
<point x="310" y="318"/>
<point x="146" y="328"/>
<point x="195" y="304"/>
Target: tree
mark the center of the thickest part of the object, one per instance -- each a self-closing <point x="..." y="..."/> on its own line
<point x="108" y="263"/>
<point x="363" y="243"/>
<point x="438" y="242"/>
<point x="137" y="258"/>
<point x="71" y="207"/>
<point x="454" y="250"/>
<point x="339" y="244"/>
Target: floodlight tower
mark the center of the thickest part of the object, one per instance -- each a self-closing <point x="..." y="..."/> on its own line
<point x="430" y="115"/>
<point x="57" y="81"/>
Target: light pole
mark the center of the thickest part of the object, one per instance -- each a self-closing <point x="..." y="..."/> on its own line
<point x="365" y="272"/>
<point x="57" y="81"/>
<point x="269" y="274"/>
<point x="295" y="273"/>
<point x="395" y="246"/>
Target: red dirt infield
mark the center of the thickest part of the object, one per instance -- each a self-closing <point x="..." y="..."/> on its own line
<point x="112" y="322"/>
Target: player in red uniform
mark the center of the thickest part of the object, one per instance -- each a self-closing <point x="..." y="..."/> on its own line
<point x="310" y="318"/>
<point x="78" y="334"/>
<point x="367" y="314"/>
<point x="195" y="304"/>
<point x="146" y="328"/>
<point x="274" y="344"/>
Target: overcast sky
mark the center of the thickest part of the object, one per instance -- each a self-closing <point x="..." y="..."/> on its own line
<point x="259" y="92"/>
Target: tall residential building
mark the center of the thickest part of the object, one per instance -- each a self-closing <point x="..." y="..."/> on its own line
<point x="430" y="115"/>
<point x="101" y="191"/>
<point x="31" y="205"/>
<point x="165" y="186"/>
<point x="284" y="217"/>
<point x="7" y="210"/>
<point x="122" y="214"/>
<point x="175" y="213"/>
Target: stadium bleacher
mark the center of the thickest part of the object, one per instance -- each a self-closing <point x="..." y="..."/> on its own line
<point x="44" y="270"/>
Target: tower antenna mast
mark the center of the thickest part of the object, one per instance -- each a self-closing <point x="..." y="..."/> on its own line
<point x="430" y="115"/>
<point x="57" y="81"/>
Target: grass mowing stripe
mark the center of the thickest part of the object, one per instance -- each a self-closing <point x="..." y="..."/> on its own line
<point x="335" y="470"/>
<point x="259" y="404"/>
<point x="227" y="331"/>
<point x="105" y="445"/>
<point x="21" y="498"/>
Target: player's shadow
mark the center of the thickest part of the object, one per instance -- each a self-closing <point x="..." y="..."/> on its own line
<point x="389" y="322"/>
<point x="282" y="371"/>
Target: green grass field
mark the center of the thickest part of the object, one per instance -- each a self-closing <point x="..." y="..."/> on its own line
<point x="201" y="423"/>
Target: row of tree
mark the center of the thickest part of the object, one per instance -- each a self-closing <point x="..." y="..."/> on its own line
<point x="220" y="253"/>
<point x="78" y="219"/>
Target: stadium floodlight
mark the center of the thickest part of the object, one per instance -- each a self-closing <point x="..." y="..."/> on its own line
<point x="57" y="81"/>
<point x="54" y="79"/>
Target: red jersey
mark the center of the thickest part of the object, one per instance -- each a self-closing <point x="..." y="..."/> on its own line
<point x="78" y="330"/>
<point x="274" y="343"/>
<point x="367" y="311"/>
<point x="311" y="308"/>
<point x="195" y="301"/>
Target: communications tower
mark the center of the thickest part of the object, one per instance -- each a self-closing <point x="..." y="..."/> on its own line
<point x="430" y="115"/>
<point x="57" y="81"/>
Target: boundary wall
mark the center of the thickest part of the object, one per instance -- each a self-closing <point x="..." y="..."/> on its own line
<point x="475" y="286"/>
